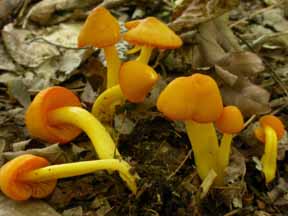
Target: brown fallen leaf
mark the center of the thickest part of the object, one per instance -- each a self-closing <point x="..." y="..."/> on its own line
<point x="8" y="8"/>
<point x="199" y="11"/>
<point x="248" y="102"/>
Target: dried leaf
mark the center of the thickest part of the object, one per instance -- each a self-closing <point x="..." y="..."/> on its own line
<point x="31" y="207"/>
<point x="200" y="11"/>
<point x="47" y="11"/>
<point x="7" y="8"/>
<point x="242" y="63"/>
<point x="76" y="211"/>
<point x="53" y="153"/>
<point x="17" y="90"/>
<point x="23" y="50"/>
<point x="250" y="98"/>
<point x="6" y="63"/>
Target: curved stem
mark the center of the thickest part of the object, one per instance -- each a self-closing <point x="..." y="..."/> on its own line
<point x="113" y="65"/>
<point x="224" y="155"/>
<point x="145" y="54"/>
<point x="81" y="118"/>
<point x="104" y="106"/>
<point x="133" y="50"/>
<point x="269" y="159"/>
<point x="205" y="146"/>
<point x="81" y="168"/>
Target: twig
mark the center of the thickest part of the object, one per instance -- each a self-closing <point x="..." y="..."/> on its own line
<point x="180" y="165"/>
<point x="275" y="76"/>
<point x="57" y="45"/>
<point x="207" y="183"/>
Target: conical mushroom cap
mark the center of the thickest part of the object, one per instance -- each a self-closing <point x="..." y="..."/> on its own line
<point x="152" y="32"/>
<point x="100" y="29"/>
<point x="136" y="80"/>
<point x="231" y="120"/>
<point x="196" y="97"/>
<point x="132" y="24"/>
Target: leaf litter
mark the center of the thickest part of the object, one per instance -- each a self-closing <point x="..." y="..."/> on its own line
<point x="40" y="51"/>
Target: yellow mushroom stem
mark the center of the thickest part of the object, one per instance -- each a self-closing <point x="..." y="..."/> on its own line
<point x="145" y="54"/>
<point x="269" y="159"/>
<point x="104" y="106"/>
<point x="81" y="168"/>
<point x="81" y="118"/>
<point x="224" y="155"/>
<point x="113" y="65"/>
<point x="204" y="143"/>
<point x="133" y="50"/>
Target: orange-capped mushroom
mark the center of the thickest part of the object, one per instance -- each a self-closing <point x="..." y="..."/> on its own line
<point x="230" y="122"/>
<point x="132" y="24"/>
<point x="17" y="189"/>
<point x="59" y="119"/>
<point x="272" y="121"/>
<point x="36" y="117"/>
<point x="136" y="80"/>
<point x="196" y="100"/>
<point x="30" y="176"/>
<point x="151" y="33"/>
<point x="102" y="30"/>
<point x="270" y="131"/>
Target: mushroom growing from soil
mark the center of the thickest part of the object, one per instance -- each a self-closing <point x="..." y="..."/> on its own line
<point x="55" y="116"/>
<point x="135" y="81"/>
<point x="196" y="100"/>
<point x="229" y="123"/>
<point x="270" y="131"/>
<point x="151" y="33"/>
<point x="102" y="30"/>
<point x="30" y="176"/>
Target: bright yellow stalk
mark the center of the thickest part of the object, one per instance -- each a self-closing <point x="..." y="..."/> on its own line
<point x="224" y="155"/>
<point x="269" y="159"/>
<point x="81" y="168"/>
<point x="113" y="66"/>
<point x="81" y="118"/>
<point x="204" y="143"/>
<point x="104" y="106"/>
<point x="145" y="54"/>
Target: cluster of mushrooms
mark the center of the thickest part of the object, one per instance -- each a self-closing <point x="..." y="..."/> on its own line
<point x="55" y="115"/>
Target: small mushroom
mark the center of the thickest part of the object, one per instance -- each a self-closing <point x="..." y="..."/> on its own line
<point x="30" y="176"/>
<point x="102" y="30"/>
<point x="135" y="81"/>
<point x="151" y="33"/>
<point x="196" y="100"/>
<point x="229" y="123"/>
<point x="55" y="116"/>
<point x="270" y="131"/>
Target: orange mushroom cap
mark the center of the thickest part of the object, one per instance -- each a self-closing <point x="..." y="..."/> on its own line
<point x="272" y="121"/>
<point x="100" y="29"/>
<point x="136" y="80"/>
<point x="196" y="97"/>
<point x="36" y="117"/>
<point x="231" y="120"/>
<point x="152" y="32"/>
<point x="10" y="178"/>
<point x="132" y="24"/>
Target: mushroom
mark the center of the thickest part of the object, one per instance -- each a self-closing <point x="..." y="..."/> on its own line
<point x="196" y="100"/>
<point x="151" y="33"/>
<point x="135" y="81"/>
<point x="55" y="116"/>
<point x="270" y="131"/>
<point x="30" y="176"/>
<point x="102" y="30"/>
<point x="229" y="123"/>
